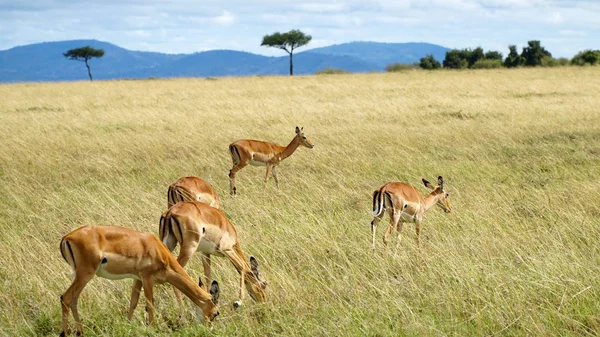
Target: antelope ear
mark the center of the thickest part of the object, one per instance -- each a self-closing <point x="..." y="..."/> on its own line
<point x="441" y="183"/>
<point x="427" y="184"/>
<point x="297" y="130"/>
<point x="215" y="291"/>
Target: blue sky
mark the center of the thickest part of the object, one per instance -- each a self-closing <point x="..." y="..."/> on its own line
<point x="187" y="26"/>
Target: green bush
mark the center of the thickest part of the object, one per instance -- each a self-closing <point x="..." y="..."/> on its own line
<point x="429" y="62"/>
<point x="395" y="67"/>
<point x="487" y="64"/>
<point x="563" y="61"/>
<point x="586" y="57"/>
<point x="552" y="62"/>
<point x="331" y="71"/>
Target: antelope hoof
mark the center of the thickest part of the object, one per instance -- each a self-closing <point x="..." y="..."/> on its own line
<point x="237" y="304"/>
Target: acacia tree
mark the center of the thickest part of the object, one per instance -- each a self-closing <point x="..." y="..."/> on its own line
<point x="84" y="54"/>
<point x="288" y="42"/>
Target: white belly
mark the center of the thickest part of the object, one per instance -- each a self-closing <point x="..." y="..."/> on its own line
<point x="103" y="273"/>
<point x="209" y="248"/>
<point x="407" y="218"/>
<point x="257" y="163"/>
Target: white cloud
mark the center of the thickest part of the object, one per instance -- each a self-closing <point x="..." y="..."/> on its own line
<point x="182" y="26"/>
<point x="224" y="19"/>
<point x="568" y="32"/>
<point x="555" y="18"/>
<point x="322" y="8"/>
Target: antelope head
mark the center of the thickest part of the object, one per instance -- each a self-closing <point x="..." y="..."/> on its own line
<point x="303" y="140"/>
<point x="440" y="194"/>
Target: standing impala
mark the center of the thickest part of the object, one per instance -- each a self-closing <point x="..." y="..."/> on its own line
<point x="404" y="204"/>
<point x="192" y="189"/>
<point x="259" y="153"/>
<point x="184" y="224"/>
<point x="116" y="253"/>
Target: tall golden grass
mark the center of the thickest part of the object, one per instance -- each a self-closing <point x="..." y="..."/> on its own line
<point x="519" y="150"/>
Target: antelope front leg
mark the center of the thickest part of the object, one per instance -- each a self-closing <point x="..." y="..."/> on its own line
<point x="135" y="296"/>
<point x="275" y="176"/>
<point x="185" y="253"/>
<point x="206" y="266"/>
<point x="148" y="284"/>
<point x="240" y="265"/>
<point x="269" y="169"/>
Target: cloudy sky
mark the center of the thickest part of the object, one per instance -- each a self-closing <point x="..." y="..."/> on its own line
<point x="185" y="26"/>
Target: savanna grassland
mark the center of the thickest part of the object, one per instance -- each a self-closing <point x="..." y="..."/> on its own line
<point x="519" y="151"/>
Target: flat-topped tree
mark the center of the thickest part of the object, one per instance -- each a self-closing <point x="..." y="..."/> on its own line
<point x="288" y="42"/>
<point x="84" y="54"/>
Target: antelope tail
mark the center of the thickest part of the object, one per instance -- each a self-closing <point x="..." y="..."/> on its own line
<point x="67" y="253"/>
<point x="171" y="198"/>
<point x="377" y="203"/>
<point x="170" y="231"/>
<point x="235" y="154"/>
<point x="177" y="194"/>
<point x="388" y="201"/>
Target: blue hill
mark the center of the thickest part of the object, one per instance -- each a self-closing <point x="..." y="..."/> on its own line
<point x="45" y="61"/>
<point x="382" y="54"/>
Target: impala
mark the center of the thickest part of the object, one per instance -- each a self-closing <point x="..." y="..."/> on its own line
<point x="404" y="204"/>
<point x="259" y="153"/>
<point x="116" y="253"/>
<point x="192" y="189"/>
<point x="184" y="224"/>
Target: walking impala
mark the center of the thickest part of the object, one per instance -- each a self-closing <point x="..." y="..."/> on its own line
<point x="192" y="189"/>
<point x="259" y="153"/>
<point x="184" y="222"/>
<point x="116" y="253"/>
<point x="404" y="204"/>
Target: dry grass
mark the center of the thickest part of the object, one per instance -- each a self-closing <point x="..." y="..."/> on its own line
<point x="519" y="149"/>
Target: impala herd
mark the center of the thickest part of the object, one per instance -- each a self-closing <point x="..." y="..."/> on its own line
<point x="194" y="222"/>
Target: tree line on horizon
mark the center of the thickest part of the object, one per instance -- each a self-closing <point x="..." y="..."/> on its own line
<point x="532" y="55"/>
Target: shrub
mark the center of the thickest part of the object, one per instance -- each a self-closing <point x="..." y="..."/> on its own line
<point x="487" y="64"/>
<point x="549" y="61"/>
<point x="429" y="62"/>
<point x="331" y="71"/>
<point x="563" y="61"/>
<point x="395" y="67"/>
<point x="586" y="57"/>
<point x="455" y="60"/>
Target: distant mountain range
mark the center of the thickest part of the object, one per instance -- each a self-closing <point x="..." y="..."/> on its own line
<point x="45" y="61"/>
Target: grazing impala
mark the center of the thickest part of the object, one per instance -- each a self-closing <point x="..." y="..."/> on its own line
<point x="184" y="224"/>
<point x="404" y="204"/>
<point x="192" y="189"/>
<point x="259" y="153"/>
<point x="115" y="253"/>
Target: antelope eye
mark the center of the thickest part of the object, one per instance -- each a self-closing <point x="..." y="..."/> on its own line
<point x="303" y="137"/>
